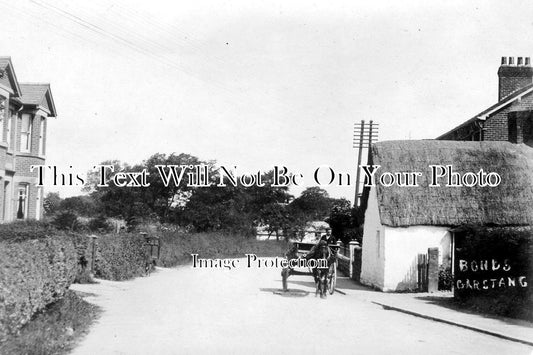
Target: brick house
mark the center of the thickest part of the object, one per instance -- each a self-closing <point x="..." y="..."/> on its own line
<point x="24" y="109"/>
<point x="511" y="118"/>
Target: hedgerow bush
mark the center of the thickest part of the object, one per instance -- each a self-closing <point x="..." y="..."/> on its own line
<point x="99" y="223"/>
<point x="120" y="256"/>
<point x="445" y="278"/>
<point x="67" y="220"/>
<point x="24" y="230"/>
<point x="34" y="272"/>
<point x="39" y="263"/>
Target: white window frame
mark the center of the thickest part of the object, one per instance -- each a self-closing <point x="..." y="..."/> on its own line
<point x="26" y="133"/>
<point x="25" y="190"/>
<point x="9" y="126"/>
<point x="3" y="109"/>
<point x="41" y="137"/>
<point x="39" y="203"/>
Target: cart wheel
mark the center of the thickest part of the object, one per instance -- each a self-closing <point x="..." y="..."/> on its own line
<point x="332" y="278"/>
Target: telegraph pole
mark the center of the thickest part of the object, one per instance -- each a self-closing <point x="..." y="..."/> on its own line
<point x="364" y="136"/>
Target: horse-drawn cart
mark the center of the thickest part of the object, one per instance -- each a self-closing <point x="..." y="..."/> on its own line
<point x="325" y="275"/>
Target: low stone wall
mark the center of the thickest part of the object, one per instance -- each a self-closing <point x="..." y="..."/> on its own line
<point x="349" y="260"/>
<point x="343" y="264"/>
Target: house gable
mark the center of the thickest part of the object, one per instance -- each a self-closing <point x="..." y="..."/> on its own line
<point x="8" y="79"/>
<point x="48" y="103"/>
<point x="39" y="96"/>
<point x="476" y="127"/>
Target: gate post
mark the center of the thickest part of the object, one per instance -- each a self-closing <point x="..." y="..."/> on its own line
<point x="93" y="251"/>
<point x="352" y="245"/>
<point x="433" y="269"/>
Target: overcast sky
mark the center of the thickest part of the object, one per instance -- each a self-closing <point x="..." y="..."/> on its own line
<point x="257" y="83"/>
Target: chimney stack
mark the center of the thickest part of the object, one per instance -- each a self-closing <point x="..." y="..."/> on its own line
<point x="513" y="77"/>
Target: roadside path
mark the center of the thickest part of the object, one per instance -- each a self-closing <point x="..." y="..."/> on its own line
<point x="191" y="311"/>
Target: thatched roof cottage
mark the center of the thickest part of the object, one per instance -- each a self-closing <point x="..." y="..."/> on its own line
<point x="403" y="221"/>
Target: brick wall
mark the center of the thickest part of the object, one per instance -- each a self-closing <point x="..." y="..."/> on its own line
<point x="22" y="163"/>
<point x="512" y="78"/>
<point x="496" y="126"/>
<point x="509" y="85"/>
<point x="24" y="176"/>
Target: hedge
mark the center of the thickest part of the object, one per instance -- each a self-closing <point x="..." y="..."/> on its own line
<point x="33" y="274"/>
<point x="120" y="256"/>
<point x="39" y="263"/>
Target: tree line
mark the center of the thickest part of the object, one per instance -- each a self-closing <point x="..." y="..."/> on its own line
<point x="236" y="209"/>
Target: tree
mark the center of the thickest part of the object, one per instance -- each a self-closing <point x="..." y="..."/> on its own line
<point x="81" y="205"/>
<point x="275" y="217"/>
<point x="51" y="203"/>
<point x="340" y="218"/>
<point x="237" y="208"/>
<point x="156" y="198"/>
<point x="314" y="203"/>
<point x="115" y="201"/>
<point x="217" y="208"/>
<point x="160" y="198"/>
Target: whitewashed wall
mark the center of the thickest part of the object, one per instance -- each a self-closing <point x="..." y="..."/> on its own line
<point x="373" y="262"/>
<point x="389" y="258"/>
<point x="402" y="246"/>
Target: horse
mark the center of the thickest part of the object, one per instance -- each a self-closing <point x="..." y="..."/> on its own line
<point x="321" y="272"/>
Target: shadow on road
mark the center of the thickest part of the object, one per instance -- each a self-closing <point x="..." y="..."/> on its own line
<point x="346" y="283"/>
<point x="291" y="292"/>
<point x="450" y="303"/>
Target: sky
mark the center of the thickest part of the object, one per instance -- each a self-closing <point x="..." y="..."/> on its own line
<point x="255" y="84"/>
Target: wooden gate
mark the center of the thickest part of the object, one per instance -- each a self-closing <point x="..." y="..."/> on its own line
<point x="422" y="272"/>
<point x="428" y="271"/>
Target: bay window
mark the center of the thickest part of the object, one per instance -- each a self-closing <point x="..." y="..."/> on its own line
<point x="9" y="123"/>
<point x="25" y="132"/>
<point x="41" y="137"/>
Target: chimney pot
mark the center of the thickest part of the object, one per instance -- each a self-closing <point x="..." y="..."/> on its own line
<point x="519" y="61"/>
<point x="511" y="60"/>
<point x="528" y="61"/>
<point x="504" y="60"/>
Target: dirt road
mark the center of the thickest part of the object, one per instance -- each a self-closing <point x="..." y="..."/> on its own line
<point x="194" y="311"/>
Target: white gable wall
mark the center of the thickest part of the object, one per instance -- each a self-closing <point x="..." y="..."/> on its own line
<point x="373" y="253"/>
<point x="389" y="255"/>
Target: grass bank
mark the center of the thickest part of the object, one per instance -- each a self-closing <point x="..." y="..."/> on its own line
<point x="177" y="247"/>
<point x="54" y="330"/>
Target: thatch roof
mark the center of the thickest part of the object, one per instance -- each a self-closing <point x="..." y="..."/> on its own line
<point x="510" y="203"/>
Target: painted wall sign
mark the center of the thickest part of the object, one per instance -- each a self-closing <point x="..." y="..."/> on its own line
<point x="487" y="274"/>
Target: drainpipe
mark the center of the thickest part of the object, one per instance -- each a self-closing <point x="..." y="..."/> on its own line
<point x="480" y="128"/>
